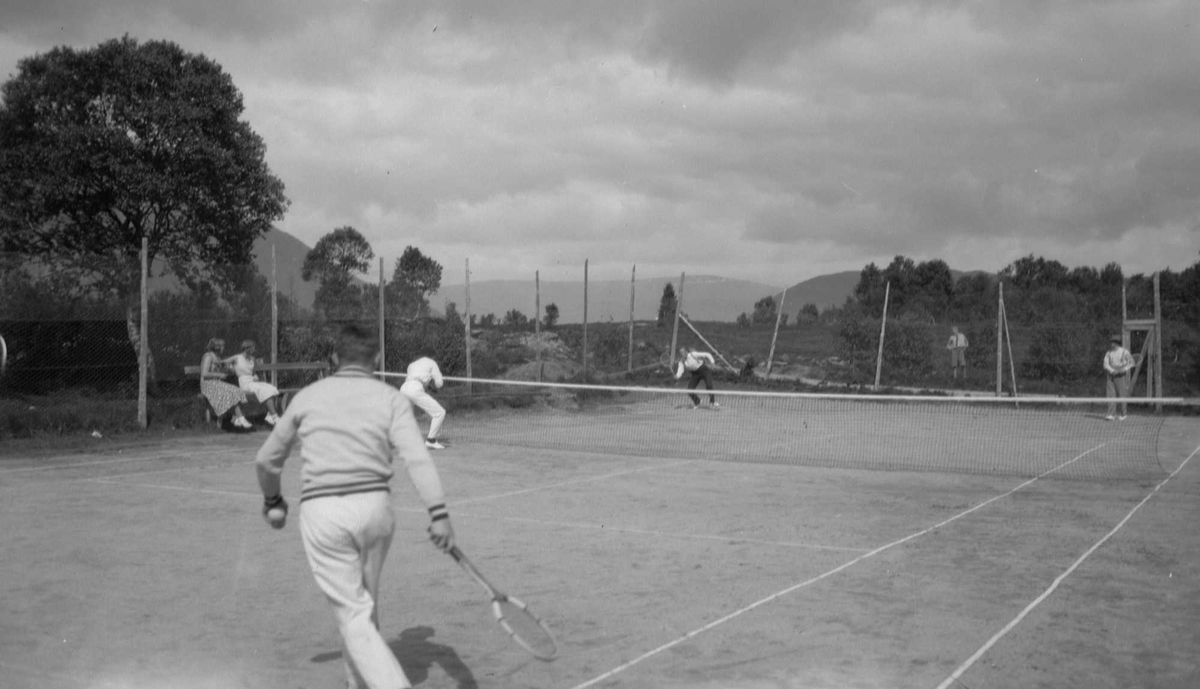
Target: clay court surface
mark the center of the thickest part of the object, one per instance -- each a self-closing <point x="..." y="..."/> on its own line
<point x="144" y="563"/>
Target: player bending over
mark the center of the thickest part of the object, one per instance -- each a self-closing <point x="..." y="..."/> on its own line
<point x="698" y="364"/>
<point x="353" y="426"/>
<point x="421" y="373"/>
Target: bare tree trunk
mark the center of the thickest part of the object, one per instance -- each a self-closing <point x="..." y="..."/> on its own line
<point x="133" y="328"/>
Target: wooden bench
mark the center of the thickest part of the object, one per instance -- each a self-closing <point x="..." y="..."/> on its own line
<point x="285" y="393"/>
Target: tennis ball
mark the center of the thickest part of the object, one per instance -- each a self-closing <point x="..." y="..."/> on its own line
<point x="277" y="517"/>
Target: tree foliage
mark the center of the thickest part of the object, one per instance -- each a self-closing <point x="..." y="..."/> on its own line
<point x="514" y="318"/>
<point x="764" y="311"/>
<point x="104" y="146"/>
<point x="667" y="305"/>
<point x="334" y="262"/>
<point x="551" y="318"/>
<point x="416" y="277"/>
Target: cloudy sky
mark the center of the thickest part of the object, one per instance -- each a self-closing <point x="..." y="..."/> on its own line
<point x="770" y="140"/>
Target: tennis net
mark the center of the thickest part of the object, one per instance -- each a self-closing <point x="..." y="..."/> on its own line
<point x="1028" y="436"/>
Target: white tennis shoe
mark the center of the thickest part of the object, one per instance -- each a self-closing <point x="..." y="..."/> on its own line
<point x="434" y="445"/>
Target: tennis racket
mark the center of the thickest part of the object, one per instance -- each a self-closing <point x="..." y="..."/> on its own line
<point x="665" y="360"/>
<point x="514" y="616"/>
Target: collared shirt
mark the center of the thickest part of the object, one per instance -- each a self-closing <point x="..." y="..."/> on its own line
<point x="425" y="371"/>
<point x="243" y="366"/>
<point x="693" y="361"/>
<point x="1118" y="360"/>
<point x="957" y="341"/>
<point x="350" y="426"/>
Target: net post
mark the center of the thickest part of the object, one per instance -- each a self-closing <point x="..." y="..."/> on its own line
<point x="887" y="290"/>
<point x="143" y="345"/>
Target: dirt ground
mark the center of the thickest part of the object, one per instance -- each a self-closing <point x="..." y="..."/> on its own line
<point x="146" y="564"/>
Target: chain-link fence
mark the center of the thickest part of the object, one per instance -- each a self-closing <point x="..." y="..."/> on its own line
<point x="73" y="331"/>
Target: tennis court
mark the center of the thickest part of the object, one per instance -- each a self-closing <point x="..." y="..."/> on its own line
<point x="656" y="563"/>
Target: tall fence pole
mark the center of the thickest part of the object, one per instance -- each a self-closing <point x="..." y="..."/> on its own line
<point x="467" y="322"/>
<point x="632" y="287"/>
<point x="274" y="318"/>
<point x="537" y="321"/>
<point x="675" y="328"/>
<point x="887" y="292"/>
<point x="143" y="337"/>
<point x="778" y="317"/>
<point x="1158" y="338"/>
<point x="382" y="321"/>
<point x="1012" y="361"/>
<point x="1000" y="340"/>
<point x="585" y="315"/>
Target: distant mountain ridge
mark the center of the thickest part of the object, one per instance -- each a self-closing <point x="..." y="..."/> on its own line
<point x="705" y="298"/>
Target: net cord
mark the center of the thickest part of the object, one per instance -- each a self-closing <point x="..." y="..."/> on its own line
<point x="932" y="399"/>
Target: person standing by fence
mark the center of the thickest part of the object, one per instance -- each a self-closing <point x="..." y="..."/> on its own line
<point x="957" y="344"/>
<point x="1118" y="361"/>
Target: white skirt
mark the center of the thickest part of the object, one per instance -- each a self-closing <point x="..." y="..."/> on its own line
<point x="263" y="391"/>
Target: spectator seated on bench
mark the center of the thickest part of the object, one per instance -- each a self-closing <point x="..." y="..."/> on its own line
<point x="299" y="372"/>
<point x="225" y="399"/>
<point x="243" y="365"/>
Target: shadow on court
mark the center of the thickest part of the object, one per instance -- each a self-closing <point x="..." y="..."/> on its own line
<point x="417" y="654"/>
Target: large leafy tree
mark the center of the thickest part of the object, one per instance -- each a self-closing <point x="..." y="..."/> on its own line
<point x="336" y="260"/>
<point x="416" y="277"/>
<point x="102" y="147"/>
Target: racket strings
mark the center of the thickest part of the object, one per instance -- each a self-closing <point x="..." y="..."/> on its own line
<point x="525" y="628"/>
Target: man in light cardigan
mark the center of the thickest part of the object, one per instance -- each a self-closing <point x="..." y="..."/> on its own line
<point x="1118" y="361"/>
<point x="351" y="427"/>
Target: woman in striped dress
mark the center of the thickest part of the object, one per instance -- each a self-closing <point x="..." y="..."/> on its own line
<point x="221" y="396"/>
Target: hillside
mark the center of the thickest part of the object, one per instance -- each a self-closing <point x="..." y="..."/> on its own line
<point x="705" y="297"/>
<point x="823" y="290"/>
<point x="289" y="260"/>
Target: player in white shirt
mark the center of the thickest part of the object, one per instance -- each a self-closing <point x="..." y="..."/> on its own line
<point x="422" y="373"/>
<point x="697" y="363"/>
<point x="1118" y="361"/>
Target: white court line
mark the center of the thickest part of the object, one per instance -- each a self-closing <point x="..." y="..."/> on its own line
<point x="819" y="577"/>
<point x="954" y="676"/>
<point x="110" y="481"/>
<point x="101" y="462"/>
